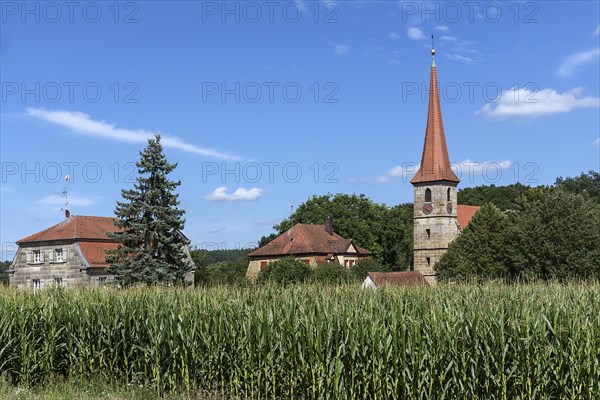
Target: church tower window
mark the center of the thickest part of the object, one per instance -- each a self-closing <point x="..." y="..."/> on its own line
<point x="428" y="196"/>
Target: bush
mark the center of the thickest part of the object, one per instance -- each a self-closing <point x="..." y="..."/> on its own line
<point x="331" y="273"/>
<point x="284" y="272"/>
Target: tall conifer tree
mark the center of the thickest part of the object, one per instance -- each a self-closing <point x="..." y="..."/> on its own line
<point x="150" y="226"/>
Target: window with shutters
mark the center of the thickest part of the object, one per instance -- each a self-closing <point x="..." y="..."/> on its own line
<point x="263" y="265"/>
<point x="59" y="255"/>
<point x="37" y="257"/>
<point x="36" y="284"/>
<point x="59" y="282"/>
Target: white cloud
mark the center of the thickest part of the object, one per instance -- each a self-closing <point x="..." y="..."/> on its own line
<point x="57" y="200"/>
<point x="240" y="194"/>
<point x="572" y="62"/>
<point x="597" y="31"/>
<point x="6" y="189"/>
<point x="393" y="35"/>
<point x="216" y="229"/>
<point x="450" y="38"/>
<point x="463" y="59"/>
<point x="415" y="33"/>
<point x="517" y="102"/>
<point x="340" y="49"/>
<point x="597" y="142"/>
<point x="84" y="124"/>
<point x="400" y="171"/>
<point x="442" y="28"/>
<point x="462" y="169"/>
<point x="469" y="168"/>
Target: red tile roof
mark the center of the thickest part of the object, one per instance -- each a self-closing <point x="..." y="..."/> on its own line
<point x="435" y="164"/>
<point x="465" y="214"/>
<point x="74" y="228"/>
<point x="405" y="278"/>
<point x="94" y="252"/>
<point x="307" y="239"/>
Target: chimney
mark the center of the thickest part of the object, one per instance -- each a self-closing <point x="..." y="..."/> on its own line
<point x="329" y="226"/>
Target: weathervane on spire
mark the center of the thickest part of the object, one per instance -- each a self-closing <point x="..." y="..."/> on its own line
<point x="432" y="52"/>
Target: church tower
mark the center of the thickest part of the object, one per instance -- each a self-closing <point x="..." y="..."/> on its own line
<point x="435" y="207"/>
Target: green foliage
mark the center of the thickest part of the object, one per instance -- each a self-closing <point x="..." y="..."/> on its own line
<point x="384" y="231"/>
<point x="554" y="235"/>
<point x="367" y="265"/>
<point x="220" y="267"/>
<point x="585" y="184"/>
<point x="4" y="266"/>
<point x="503" y="197"/>
<point x="151" y="239"/>
<point x="331" y="273"/>
<point x="479" y="251"/>
<point x="228" y="272"/>
<point x="311" y="342"/>
<point x="285" y="271"/>
<point x="264" y="240"/>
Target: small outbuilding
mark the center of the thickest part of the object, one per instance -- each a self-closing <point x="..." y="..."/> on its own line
<point x="406" y="278"/>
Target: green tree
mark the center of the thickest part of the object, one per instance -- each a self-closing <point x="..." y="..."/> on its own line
<point x="554" y="235"/>
<point x="503" y="197"/>
<point x="150" y="224"/>
<point x="479" y="251"/>
<point x="585" y="184"/>
<point x="330" y="273"/>
<point x="227" y="272"/>
<point x="285" y="271"/>
<point x="384" y="231"/>
<point x="4" y="266"/>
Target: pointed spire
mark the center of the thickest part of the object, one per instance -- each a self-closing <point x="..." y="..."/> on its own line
<point x="435" y="163"/>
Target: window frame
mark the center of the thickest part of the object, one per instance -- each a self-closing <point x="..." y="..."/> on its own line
<point x="428" y="195"/>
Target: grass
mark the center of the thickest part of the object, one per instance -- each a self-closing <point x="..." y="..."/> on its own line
<point x="452" y="341"/>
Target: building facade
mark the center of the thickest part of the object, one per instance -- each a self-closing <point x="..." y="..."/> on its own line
<point x="313" y="244"/>
<point x="70" y="253"/>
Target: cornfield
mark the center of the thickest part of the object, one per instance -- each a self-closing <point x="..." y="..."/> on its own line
<point x="310" y="342"/>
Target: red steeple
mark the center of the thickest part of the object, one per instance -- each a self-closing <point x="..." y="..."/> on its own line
<point x="435" y="164"/>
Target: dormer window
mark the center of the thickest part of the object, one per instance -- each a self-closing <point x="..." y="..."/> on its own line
<point x="427" y="195"/>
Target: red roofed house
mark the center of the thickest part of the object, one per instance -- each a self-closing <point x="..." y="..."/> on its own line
<point x="70" y="253"/>
<point x="438" y="219"/>
<point x="315" y="244"/>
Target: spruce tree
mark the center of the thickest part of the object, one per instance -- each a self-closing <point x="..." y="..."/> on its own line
<point x="151" y="247"/>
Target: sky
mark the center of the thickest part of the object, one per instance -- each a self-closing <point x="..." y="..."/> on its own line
<point x="263" y="104"/>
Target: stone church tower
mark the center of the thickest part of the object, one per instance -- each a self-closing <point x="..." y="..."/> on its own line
<point x="435" y="207"/>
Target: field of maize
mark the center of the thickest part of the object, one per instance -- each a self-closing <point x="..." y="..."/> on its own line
<point x="311" y="342"/>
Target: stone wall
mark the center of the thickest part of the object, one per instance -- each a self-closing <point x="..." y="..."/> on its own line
<point x="49" y="271"/>
<point x="433" y="232"/>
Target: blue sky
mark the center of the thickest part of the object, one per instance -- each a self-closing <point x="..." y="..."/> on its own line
<point x="263" y="104"/>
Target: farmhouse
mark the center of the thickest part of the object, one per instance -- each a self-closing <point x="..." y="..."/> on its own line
<point x="438" y="220"/>
<point x="70" y="253"/>
<point x="315" y="244"/>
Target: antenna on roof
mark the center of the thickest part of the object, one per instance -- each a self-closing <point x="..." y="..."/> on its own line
<point x="66" y="194"/>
